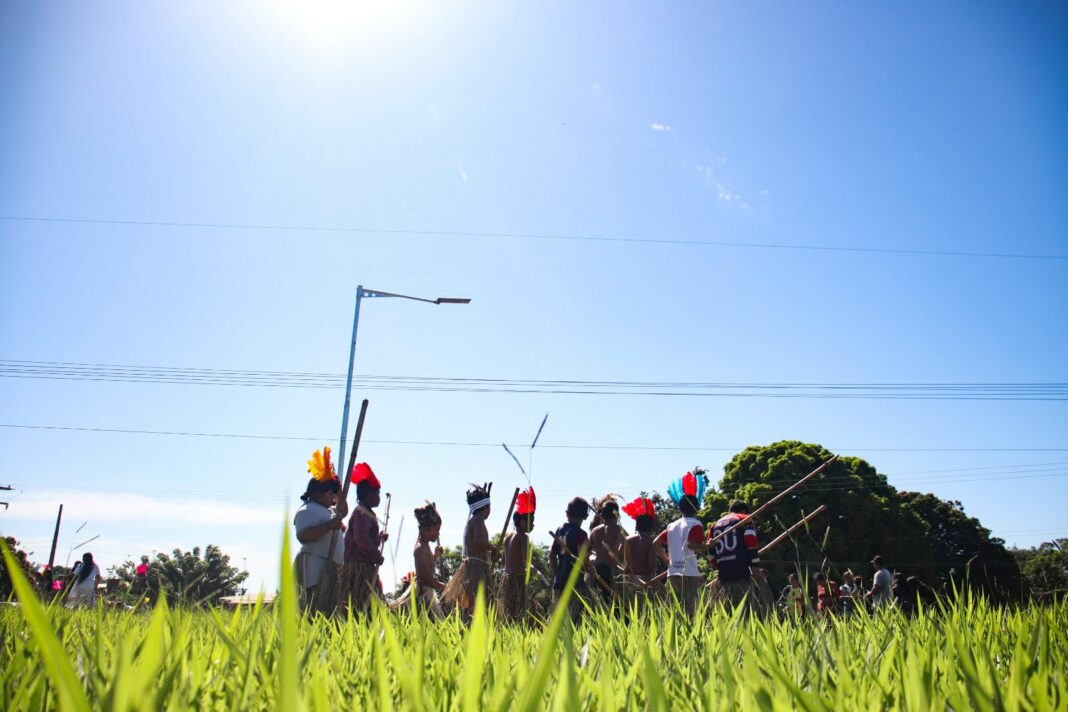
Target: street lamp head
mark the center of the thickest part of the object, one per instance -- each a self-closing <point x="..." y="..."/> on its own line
<point x="451" y="300"/>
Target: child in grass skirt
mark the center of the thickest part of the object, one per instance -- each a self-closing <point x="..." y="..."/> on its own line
<point x="359" y="573"/>
<point x="474" y="570"/>
<point x="512" y="600"/>
<point x="423" y="592"/>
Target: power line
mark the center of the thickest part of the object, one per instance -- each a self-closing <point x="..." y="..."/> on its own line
<point x="446" y="443"/>
<point x="116" y="373"/>
<point x="472" y="234"/>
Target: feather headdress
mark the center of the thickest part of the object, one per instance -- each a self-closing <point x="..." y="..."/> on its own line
<point x="427" y="516"/>
<point x="689" y="485"/>
<point x="639" y="507"/>
<point x="320" y="466"/>
<point x="363" y="473"/>
<point x="526" y="502"/>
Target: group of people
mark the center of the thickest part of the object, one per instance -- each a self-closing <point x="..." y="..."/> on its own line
<point x="851" y="596"/>
<point x="337" y="566"/>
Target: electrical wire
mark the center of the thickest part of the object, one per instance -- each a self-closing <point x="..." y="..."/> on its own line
<point x="116" y="373"/>
<point x="472" y="234"/>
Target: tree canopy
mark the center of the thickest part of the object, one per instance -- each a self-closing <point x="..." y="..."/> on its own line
<point x="917" y="534"/>
<point x="185" y="577"/>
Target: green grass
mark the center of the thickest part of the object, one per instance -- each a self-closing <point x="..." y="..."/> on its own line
<point x="969" y="656"/>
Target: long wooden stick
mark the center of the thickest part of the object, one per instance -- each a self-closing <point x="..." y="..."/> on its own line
<point x="805" y="520"/>
<point x="772" y="501"/>
<point x="385" y="525"/>
<point x="567" y="550"/>
<point x="347" y="475"/>
<point x="508" y="517"/>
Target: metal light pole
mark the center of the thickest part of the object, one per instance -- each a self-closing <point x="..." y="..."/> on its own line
<point x="362" y="294"/>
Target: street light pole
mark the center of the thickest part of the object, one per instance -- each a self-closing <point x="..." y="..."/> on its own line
<point x="362" y="294"/>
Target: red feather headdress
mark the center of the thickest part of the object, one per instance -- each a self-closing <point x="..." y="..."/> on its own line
<point x="320" y="466"/>
<point x="526" y="502"/>
<point x="363" y="472"/>
<point x="639" y="507"/>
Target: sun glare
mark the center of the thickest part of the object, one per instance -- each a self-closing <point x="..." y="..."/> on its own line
<point x="335" y="24"/>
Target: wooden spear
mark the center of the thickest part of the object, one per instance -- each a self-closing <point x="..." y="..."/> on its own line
<point x="772" y="501"/>
<point x="347" y="475"/>
<point x="508" y="518"/>
<point x="805" y="520"/>
<point x="385" y="525"/>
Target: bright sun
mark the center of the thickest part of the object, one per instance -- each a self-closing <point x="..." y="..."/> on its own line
<point x="332" y="24"/>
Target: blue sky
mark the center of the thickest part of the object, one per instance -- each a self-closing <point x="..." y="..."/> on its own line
<point x="906" y="128"/>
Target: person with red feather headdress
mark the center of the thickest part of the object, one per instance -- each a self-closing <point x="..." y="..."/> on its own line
<point x="363" y="542"/>
<point x="317" y="523"/>
<point x="512" y="600"/>
<point x="639" y="554"/>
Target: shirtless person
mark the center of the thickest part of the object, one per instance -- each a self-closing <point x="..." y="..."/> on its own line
<point x="639" y="555"/>
<point x="426" y="584"/>
<point x="512" y="599"/>
<point x="474" y="569"/>
<point x="606" y="548"/>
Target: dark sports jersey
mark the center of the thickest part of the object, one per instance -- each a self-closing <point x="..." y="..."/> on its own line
<point x="734" y="553"/>
<point x="569" y="541"/>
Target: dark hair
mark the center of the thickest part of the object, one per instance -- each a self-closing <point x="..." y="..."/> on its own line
<point x="87" y="566"/>
<point x="877" y="560"/>
<point x="739" y="507"/>
<point x="688" y="505"/>
<point x="644" y="523"/>
<point x="427" y="516"/>
<point x="364" y="488"/>
<point x="517" y="518"/>
<point x="477" y="493"/>
<point x="610" y="510"/>
<point x="317" y="487"/>
<point x="818" y="576"/>
<point x="578" y="507"/>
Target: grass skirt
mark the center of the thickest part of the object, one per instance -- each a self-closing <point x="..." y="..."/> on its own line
<point x="359" y="584"/>
<point x="321" y="598"/>
<point x="427" y="601"/>
<point x="462" y="588"/>
<point x="512" y="598"/>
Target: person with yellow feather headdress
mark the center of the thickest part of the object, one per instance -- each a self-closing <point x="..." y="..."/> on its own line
<point x="317" y="524"/>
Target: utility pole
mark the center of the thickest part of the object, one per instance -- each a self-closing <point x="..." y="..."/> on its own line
<point x="55" y="538"/>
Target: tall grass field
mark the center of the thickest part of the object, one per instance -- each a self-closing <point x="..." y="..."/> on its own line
<point x="967" y="655"/>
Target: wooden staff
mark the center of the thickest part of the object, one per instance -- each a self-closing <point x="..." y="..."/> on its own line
<point x="772" y="501"/>
<point x="508" y="518"/>
<point x="592" y="571"/>
<point x="808" y="518"/>
<point x="385" y="525"/>
<point x="344" y="499"/>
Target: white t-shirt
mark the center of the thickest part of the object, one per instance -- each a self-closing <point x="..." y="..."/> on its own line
<point x="883" y="592"/>
<point x="683" y="559"/>
<point x="313" y="514"/>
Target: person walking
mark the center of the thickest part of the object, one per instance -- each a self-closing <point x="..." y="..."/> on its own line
<point x="881" y="593"/>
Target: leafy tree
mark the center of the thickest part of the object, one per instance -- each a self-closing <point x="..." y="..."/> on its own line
<point x="917" y="534"/>
<point x="15" y="547"/>
<point x="1045" y="570"/>
<point x="186" y="577"/>
<point x="963" y="546"/>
